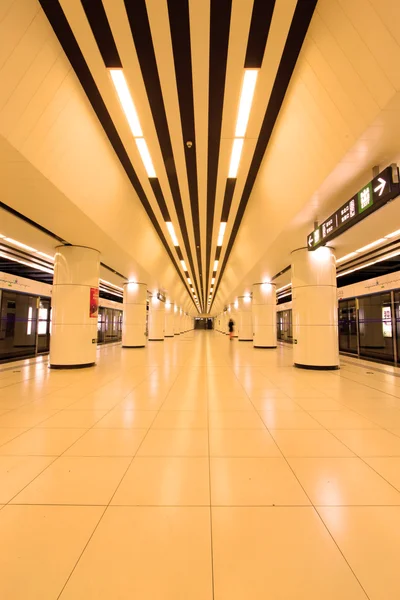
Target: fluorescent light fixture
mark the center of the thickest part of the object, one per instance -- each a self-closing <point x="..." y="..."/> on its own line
<point x="339" y="260"/>
<point x="215" y="265"/>
<point x="389" y="235"/>
<point x="145" y="156"/>
<point x="28" y="264"/>
<point x="45" y="255"/>
<point x="246" y="99"/>
<point x="235" y="157"/>
<point x="213" y="281"/>
<point x="19" y="244"/>
<point x="171" y="230"/>
<point x="116" y="286"/>
<point x="371" y="245"/>
<point x="189" y="282"/>
<point x="288" y="285"/>
<point x="221" y="233"/>
<point x="124" y="95"/>
<point x="183" y="265"/>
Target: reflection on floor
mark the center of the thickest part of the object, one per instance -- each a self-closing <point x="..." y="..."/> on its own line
<point x="199" y="468"/>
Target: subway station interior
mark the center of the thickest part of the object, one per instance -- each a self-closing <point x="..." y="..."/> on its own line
<point x="199" y="299"/>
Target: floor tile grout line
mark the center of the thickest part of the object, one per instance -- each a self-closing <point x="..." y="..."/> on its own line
<point x="319" y="516"/>
<point x="109" y="503"/>
<point x="210" y="482"/>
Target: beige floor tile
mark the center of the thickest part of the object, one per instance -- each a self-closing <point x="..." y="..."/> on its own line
<point x="165" y="481"/>
<point x="229" y="403"/>
<point x="264" y="404"/>
<point x="318" y="404"/>
<point x="175" y="442"/>
<point x="25" y="417"/>
<point x="127" y="419"/>
<point x="181" y="419"/>
<point x="76" y="480"/>
<point x="369" y="538"/>
<point x="342" y="419"/>
<point x="342" y="481"/>
<point x="146" y="553"/>
<point x="108" y="442"/>
<point x="254" y="482"/>
<point x="235" y="419"/>
<point x="9" y="433"/>
<point x="278" y="553"/>
<point x="74" y="418"/>
<point x="141" y="403"/>
<point x="370" y="442"/>
<point x="42" y="442"/>
<point x="289" y="419"/>
<point x="388" y="467"/>
<point x="40" y="546"/>
<point x="242" y="442"/>
<point x="309" y="443"/>
<point x="17" y="471"/>
<point x="93" y="403"/>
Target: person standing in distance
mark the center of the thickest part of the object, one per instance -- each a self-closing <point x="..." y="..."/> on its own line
<point x="231" y="326"/>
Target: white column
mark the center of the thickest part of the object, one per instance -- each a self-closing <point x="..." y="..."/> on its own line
<point x="156" y="319"/>
<point x="234" y="315"/>
<point x="75" y="300"/>
<point x="245" y="326"/>
<point x="177" y="320"/>
<point x="264" y="315"/>
<point x="134" y="319"/>
<point x="314" y="309"/>
<point x="181" y="321"/>
<point x="169" y="319"/>
<point x="225" y="323"/>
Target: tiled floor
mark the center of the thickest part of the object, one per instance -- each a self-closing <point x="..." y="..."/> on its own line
<point x="199" y="469"/>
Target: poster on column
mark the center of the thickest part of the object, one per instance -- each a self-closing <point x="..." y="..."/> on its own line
<point x="94" y="303"/>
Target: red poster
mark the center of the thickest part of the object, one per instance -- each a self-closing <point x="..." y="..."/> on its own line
<point x="94" y="303"/>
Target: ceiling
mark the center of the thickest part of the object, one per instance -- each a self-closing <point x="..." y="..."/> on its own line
<point x="325" y="111"/>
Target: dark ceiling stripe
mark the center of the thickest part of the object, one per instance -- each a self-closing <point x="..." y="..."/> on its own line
<point x="259" y="28"/>
<point x="297" y="33"/>
<point x="141" y="33"/>
<point x="156" y="187"/>
<point x="228" y="195"/>
<point x="63" y="31"/>
<point x="96" y="15"/>
<point x="220" y="20"/>
<point x="179" y="21"/>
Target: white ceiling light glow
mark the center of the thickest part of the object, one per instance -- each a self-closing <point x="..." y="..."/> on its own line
<point x="235" y="157"/>
<point x="171" y="230"/>
<point x="246" y="99"/>
<point x="183" y="265"/>
<point x="19" y="244"/>
<point x="215" y="265"/>
<point x="145" y="156"/>
<point x="213" y="281"/>
<point x="221" y="233"/>
<point x="124" y="95"/>
<point x="371" y="245"/>
<point x="339" y="260"/>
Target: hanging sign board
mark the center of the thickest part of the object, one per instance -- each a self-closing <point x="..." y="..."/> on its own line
<point x="375" y="194"/>
<point x="94" y="303"/>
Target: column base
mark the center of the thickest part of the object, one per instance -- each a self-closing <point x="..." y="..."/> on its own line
<point x="84" y="366"/>
<point x="168" y="336"/>
<point x="317" y="367"/>
<point x="267" y="347"/>
<point x="156" y="339"/>
<point x="143" y="346"/>
<point x="246" y="340"/>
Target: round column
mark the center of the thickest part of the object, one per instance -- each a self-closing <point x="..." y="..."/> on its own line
<point x="75" y="302"/>
<point x="181" y="321"/>
<point x="314" y="309"/>
<point x="245" y="325"/>
<point x="156" y="319"/>
<point x="264" y="315"/>
<point x="169" y="319"/>
<point x="134" y="319"/>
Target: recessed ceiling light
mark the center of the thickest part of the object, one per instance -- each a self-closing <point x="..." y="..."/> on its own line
<point x="221" y="233"/>
<point x="125" y="98"/>
<point x="213" y="280"/>
<point x="371" y="245"/>
<point x="145" y="156"/>
<point x="389" y="235"/>
<point x="19" y="244"/>
<point x="246" y="99"/>
<point x="183" y="265"/>
<point x="235" y="157"/>
<point x="171" y="230"/>
<point x="215" y="265"/>
<point x="339" y="260"/>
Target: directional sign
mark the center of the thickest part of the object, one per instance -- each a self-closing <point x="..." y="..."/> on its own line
<point x="375" y="194"/>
